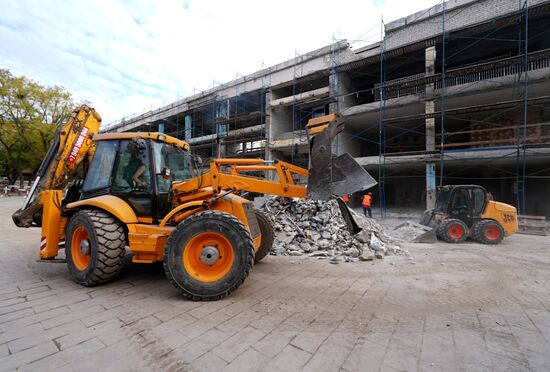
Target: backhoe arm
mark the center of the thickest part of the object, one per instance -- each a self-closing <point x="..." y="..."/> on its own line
<point x="71" y="144"/>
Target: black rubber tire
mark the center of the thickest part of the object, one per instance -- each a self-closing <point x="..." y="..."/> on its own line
<point x="266" y="229"/>
<point x="480" y="235"/>
<point x="107" y="246"/>
<point x="445" y="231"/>
<point x="243" y="252"/>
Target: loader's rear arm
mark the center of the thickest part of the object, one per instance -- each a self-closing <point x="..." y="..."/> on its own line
<point x="230" y="174"/>
<point x="72" y="143"/>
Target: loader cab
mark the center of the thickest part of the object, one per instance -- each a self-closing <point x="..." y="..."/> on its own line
<point x="138" y="168"/>
<point x="464" y="202"/>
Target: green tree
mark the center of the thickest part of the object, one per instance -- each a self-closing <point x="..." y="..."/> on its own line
<point x="29" y="115"/>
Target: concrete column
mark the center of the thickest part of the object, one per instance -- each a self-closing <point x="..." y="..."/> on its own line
<point x="430" y="130"/>
<point x="187" y="133"/>
<point x="268" y="129"/>
<point x="340" y="86"/>
<point x="161" y="127"/>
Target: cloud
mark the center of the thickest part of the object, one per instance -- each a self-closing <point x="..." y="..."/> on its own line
<point x="128" y="56"/>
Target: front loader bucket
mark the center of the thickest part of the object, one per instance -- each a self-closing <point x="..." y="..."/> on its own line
<point x="413" y="232"/>
<point x="331" y="175"/>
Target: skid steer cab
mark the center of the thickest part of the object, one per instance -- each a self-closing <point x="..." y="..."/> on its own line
<point x="98" y="194"/>
<point x="464" y="211"/>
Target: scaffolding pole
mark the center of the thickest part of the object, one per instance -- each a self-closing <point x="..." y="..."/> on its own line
<point x="381" y="130"/>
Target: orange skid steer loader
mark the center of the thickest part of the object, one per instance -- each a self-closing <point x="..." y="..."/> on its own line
<point x="96" y="194"/>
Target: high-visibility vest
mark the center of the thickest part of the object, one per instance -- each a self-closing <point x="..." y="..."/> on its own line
<point x="345" y="198"/>
<point x="366" y="200"/>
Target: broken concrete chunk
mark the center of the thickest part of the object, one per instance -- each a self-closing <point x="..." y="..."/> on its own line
<point x="295" y="253"/>
<point x="367" y="256"/>
<point x="316" y="228"/>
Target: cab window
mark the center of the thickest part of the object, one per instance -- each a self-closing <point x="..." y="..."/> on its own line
<point x="479" y="200"/>
<point x="460" y="199"/>
<point x="172" y="164"/>
<point x="133" y="168"/>
<point x="101" y="167"/>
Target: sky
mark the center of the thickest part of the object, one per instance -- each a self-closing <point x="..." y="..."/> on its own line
<point x="128" y="56"/>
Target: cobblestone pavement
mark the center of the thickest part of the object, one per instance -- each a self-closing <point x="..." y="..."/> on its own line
<point x="466" y="307"/>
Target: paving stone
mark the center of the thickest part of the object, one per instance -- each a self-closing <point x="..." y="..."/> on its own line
<point x="22" y="358"/>
<point x="85" y="334"/>
<point x="120" y="356"/>
<point x="4" y="352"/>
<point x="310" y="340"/>
<point x="238" y="343"/>
<point x="248" y="361"/>
<point x="274" y="342"/>
<point x="438" y="352"/>
<point x="289" y="359"/>
<point x="18" y="332"/>
<point x="366" y="355"/>
<point x="190" y="351"/>
<point x="470" y="349"/>
<point x="14" y="315"/>
<point x="68" y="316"/>
<point x="35" y="318"/>
<point x="208" y="362"/>
<point x="128" y="331"/>
<point x="64" y="357"/>
<point x="25" y="293"/>
<point x="332" y="354"/>
<point x="35" y="338"/>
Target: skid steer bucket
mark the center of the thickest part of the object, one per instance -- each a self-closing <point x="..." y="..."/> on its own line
<point x="331" y="175"/>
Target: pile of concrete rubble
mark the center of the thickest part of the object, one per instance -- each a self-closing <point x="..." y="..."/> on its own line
<point x="317" y="229"/>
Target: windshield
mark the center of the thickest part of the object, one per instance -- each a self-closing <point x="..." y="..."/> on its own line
<point x="172" y="164"/>
<point x="443" y="195"/>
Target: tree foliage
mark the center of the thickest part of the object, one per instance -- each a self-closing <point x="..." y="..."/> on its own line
<point x="29" y="115"/>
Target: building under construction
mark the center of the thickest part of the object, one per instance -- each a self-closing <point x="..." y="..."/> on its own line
<point x="455" y="94"/>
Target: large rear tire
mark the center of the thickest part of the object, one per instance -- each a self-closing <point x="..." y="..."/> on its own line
<point x="453" y="230"/>
<point x="95" y="247"/>
<point x="488" y="232"/>
<point x="266" y="229"/>
<point x="208" y="256"/>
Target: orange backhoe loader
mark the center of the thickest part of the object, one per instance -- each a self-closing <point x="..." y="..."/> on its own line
<point x="97" y="194"/>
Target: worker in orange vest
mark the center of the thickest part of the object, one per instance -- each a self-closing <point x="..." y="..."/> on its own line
<point x="366" y="201"/>
<point x="345" y="198"/>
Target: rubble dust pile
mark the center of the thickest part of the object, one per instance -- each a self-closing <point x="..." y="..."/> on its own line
<point x="317" y="229"/>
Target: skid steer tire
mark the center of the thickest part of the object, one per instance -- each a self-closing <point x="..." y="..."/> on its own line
<point x="453" y="230"/>
<point x="488" y="232"/>
<point x="266" y="229"/>
<point x="95" y="247"/>
<point x="208" y="255"/>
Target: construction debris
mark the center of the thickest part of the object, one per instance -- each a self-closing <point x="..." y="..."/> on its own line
<point x="414" y="233"/>
<point x="317" y="229"/>
<point x="532" y="225"/>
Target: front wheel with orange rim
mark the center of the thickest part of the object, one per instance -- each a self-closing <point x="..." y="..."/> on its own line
<point x="209" y="255"/>
<point x="488" y="232"/>
<point x="453" y="230"/>
<point x="95" y="247"/>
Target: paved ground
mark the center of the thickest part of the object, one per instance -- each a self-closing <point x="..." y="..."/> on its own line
<point x="467" y="307"/>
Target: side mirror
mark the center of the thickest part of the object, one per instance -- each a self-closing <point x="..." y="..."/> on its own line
<point x="198" y="160"/>
<point x="165" y="173"/>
